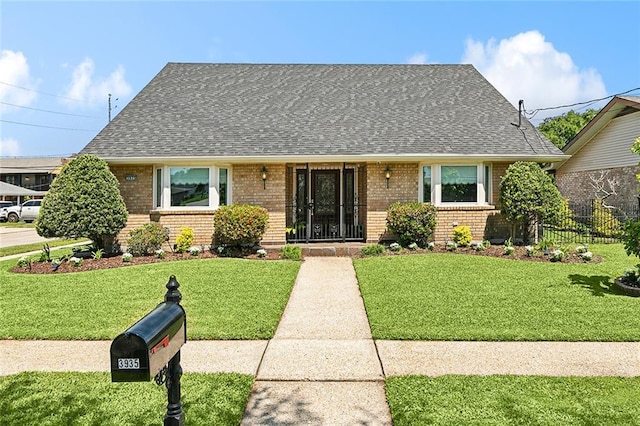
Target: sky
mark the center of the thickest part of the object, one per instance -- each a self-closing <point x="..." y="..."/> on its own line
<point x="59" y="61"/>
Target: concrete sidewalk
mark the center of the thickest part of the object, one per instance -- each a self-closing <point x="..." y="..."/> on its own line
<point x="323" y="367"/>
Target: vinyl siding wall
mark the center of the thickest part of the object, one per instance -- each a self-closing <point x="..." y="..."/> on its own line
<point x="611" y="148"/>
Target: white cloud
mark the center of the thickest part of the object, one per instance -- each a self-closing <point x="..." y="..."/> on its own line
<point x="418" y="59"/>
<point x="528" y="67"/>
<point x="84" y="87"/>
<point x="14" y="70"/>
<point x="9" y="147"/>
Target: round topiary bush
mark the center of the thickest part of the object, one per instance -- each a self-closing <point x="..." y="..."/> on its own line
<point x="412" y="222"/>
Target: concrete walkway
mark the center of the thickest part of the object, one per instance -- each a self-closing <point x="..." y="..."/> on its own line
<point x="322" y="366"/>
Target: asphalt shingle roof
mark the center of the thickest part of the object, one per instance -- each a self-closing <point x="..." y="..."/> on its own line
<point x="238" y="110"/>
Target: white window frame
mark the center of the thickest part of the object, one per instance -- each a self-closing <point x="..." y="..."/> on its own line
<point x="214" y="177"/>
<point x="484" y="190"/>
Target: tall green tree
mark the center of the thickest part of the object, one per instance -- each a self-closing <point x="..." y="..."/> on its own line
<point x="562" y="128"/>
<point x="83" y="201"/>
<point x="528" y="196"/>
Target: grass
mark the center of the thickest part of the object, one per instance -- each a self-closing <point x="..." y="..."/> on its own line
<point x="466" y="297"/>
<point x="223" y="299"/>
<point x="26" y="248"/>
<point x="513" y="400"/>
<point x="17" y="224"/>
<point x="91" y="399"/>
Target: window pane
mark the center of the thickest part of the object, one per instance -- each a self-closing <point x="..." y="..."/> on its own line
<point x="459" y="184"/>
<point x="426" y="184"/>
<point x="189" y="186"/>
<point x="158" y="187"/>
<point x="222" y="187"/>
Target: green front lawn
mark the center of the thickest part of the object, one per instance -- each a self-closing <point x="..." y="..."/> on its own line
<point x="465" y="297"/>
<point x="513" y="400"/>
<point x="223" y="299"/>
<point x="91" y="399"/>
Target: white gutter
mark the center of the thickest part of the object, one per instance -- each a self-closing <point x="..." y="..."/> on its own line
<point x="396" y="158"/>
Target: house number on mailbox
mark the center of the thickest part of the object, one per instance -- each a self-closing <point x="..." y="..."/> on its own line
<point x="128" y="363"/>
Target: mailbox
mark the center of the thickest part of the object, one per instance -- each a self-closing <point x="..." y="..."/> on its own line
<point x="142" y="351"/>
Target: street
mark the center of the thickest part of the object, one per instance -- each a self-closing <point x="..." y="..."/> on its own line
<point x="19" y="236"/>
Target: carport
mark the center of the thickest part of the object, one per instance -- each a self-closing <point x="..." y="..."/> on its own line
<point x="17" y="193"/>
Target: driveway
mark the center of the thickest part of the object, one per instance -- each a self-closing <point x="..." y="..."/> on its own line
<point x="19" y="236"/>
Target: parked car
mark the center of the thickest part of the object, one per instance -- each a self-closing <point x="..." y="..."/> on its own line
<point x="4" y="205"/>
<point x="28" y="212"/>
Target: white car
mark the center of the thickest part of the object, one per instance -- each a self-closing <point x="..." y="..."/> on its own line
<point x="28" y="212"/>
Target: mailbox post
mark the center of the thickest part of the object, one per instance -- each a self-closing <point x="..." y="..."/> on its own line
<point x="175" y="415"/>
<point x="151" y="349"/>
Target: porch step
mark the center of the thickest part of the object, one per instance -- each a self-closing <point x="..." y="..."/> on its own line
<point x="327" y="250"/>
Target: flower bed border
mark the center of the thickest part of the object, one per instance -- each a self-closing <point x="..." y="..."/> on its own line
<point x="627" y="289"/>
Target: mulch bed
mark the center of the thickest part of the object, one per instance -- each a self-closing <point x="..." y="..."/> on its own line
<point x="495" y="251"/>
<point x="272" y="254"/>
<point x="116" y="262"/>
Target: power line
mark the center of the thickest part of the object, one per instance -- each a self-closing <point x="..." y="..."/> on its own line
<point x="49" y="94"/>
<point x="592" y="101"/>
<point x="47" y="127"/>
<point x="49" y="111"/>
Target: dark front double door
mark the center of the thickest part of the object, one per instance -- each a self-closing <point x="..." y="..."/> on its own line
<point x="325" y="201"/>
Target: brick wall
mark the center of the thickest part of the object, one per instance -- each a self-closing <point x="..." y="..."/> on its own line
<point x="403" y="186"/>
<point x="138" y="193"/>
<point x="577" y="185"/>
<point x="200" y="221"/>
<point x="247" y="188"/>
<point x="485" y="222"/>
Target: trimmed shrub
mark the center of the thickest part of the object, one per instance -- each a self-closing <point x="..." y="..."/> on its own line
<point x="412" y="222"/>
<point x="462" y="235"/>
<point x="291" y="252"/>
<point x="239" y="225"/>
<point x="631" y="238"/>
<point x="146" y="239"/>
<point x="184" y="240"/>
<point x="373" y="250"/>
<point x="83" y="201"/>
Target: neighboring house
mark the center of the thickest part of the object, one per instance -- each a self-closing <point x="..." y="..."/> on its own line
<point x="34" y="173"/>
<point x="324" y="148"/>
<point x="604" y="144"/>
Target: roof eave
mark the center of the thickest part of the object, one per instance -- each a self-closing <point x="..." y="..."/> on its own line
<point x="260" y="159"/>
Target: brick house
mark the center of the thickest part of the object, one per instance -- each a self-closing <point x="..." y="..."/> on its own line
<point x="604" y="144"/>
<point x="324" y="148"/>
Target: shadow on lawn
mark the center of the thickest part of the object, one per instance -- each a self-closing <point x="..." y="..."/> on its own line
<point x="598" y="285"/>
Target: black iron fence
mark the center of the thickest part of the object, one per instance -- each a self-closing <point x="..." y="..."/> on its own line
<point x="344" y="223"/>
<point x="596" y="222"/>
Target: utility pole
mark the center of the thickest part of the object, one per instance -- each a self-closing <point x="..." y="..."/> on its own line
<point x="110" y="106"/>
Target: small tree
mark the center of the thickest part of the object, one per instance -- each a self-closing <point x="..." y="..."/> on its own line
<point x="528" y="196"/>
<point x="83" y="201"/>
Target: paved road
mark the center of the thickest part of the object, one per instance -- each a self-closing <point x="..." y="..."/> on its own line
<point x="18" y="236"/>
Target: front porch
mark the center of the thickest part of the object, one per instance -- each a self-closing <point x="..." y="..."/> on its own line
<point x="326" y="203"/>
